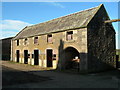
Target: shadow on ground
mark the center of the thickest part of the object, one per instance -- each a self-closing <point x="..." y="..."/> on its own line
<point x="13" y="77"/>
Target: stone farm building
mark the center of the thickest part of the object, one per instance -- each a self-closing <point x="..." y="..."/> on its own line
<point x="5" y="48"/>
<point x="79" y="40"/>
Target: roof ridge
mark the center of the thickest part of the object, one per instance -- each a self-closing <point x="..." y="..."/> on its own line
<point x="56" y="25"/>
<point x="66" y="15"/>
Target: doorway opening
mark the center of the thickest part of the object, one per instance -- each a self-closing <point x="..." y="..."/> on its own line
<point x="71" y="58"/>
<point x="17" y="55"/>
<point x="36" y="57"/>
<point x="25" y="56"/>
<point x="49" y="57"/>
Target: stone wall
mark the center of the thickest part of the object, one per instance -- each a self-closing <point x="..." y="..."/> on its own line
<point x="59" y="44"/>
<point x="101" y="42"/>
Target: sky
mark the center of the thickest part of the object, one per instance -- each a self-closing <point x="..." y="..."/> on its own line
<point x="17" y="15"/>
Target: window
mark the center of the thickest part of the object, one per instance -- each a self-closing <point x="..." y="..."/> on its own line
<point x="32" y="55"/>
<point x="49" y="38"/>
<point x="25" y="42"/>
<point x="17" y="42"/>
<point x="28" y="55"/>
<point x="54" y="57"/>
<point x="69" y="35"/>
<point x="35" y="40"/>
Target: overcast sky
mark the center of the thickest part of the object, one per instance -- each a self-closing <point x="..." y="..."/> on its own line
<point x="15" y="16"/>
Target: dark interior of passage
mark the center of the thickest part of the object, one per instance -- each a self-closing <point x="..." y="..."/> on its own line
<point x="36" y="57"/>
<point x="49" y="57"/>
<point x="25" y="56"/>
<point x="69" y="56"/>
<point x="117" y="61"/>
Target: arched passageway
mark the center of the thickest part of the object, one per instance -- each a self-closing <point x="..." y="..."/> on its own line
<point x="71" y="58"/>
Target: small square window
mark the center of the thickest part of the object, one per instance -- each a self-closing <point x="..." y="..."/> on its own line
<point x="54" y="57"/>
<point x="32" y="55"/>
<point x="25" y="42"/>
<point x="69" y="35"/>
<point x="28" y="55"/>
<point x="49" y="38"/>
<point x="17" y="42"/>
<point x="36" y="40"/>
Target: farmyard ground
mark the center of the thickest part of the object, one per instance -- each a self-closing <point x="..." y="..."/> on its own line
<point x="17" y="75"/>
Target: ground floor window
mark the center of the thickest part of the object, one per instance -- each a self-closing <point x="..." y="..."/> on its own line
<point x="54" y="57"/>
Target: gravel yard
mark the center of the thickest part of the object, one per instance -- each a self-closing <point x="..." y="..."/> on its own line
<point x="17" y="75"/>
<point x="12" y="77"/>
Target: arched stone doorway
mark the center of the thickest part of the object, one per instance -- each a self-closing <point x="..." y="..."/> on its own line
<point x="70" y="58"/>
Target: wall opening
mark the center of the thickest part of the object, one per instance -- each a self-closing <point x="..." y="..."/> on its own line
<point x="69" y="35"/>
<point x="17" y="42"/>
<point x="35" y="40"/>
<point x="71" y="58"/>
<point x="49" y="57"/>
<point x="17" y="55"/>
<point x="25" y="56"/>
<point x="25" y="41"/>
<point x="49" y="38"/>
<point x="117" y="61"/>
<point x="36" y="57"/>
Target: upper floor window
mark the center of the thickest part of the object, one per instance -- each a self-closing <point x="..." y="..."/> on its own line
<point x="17" y="42"/>
<point x="35" y="40"/>
<point x="49" y="38"/>
<point x="25" y="41"/>
<point x="69" y="35"/>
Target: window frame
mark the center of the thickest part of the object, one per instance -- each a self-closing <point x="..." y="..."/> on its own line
<point x="69" y="35"/>
<point x="54" y="57"/>
<point x="49" y="36"/>
<point x="36" y="40"/>
<point x="25" y="41"/>
<point x="18" y="42"/>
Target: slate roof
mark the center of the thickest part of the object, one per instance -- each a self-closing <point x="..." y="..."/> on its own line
<point x="72" y="21"/>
